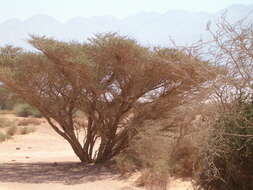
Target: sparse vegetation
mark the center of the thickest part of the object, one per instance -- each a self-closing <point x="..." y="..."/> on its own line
<point x="4" y="123"/>
<point x="29" y="121"/>
<point x="11" y="131"/>
<point x="3" y="137"/>
<point x="153" y="180"/>
<point x="25" y="110"/>
<point x="9" y="128"/>
<point x="26" y="130"/>
<point x="7" y="99"/>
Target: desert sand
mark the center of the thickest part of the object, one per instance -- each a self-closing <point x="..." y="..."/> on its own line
<point x="44" y="161"/>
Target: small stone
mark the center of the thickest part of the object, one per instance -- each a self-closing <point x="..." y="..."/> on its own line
<point x="13" y="160"/>
<point x="18" y="148"/>
<point x="27" y="157"/>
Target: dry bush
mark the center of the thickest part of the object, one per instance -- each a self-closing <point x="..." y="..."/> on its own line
<point x="183" y="158"/>
<point x="161" y="152"/>
<point x="6" y="111"/>
<point x="4" y="123"/>
<point x="11" y="131"/>
<point x="29" y="121"/>
<point x="167" y="148"/>
<point x="3" y="137"/>
<point x="149" y="153"/>
<point x="185" y="130"/>
<point x="153" y="180"/>
<point x="7" y="98"/>
<point x="26" y="130"/>
<point x="145" y="151"/>
<point x="125" y="164"/>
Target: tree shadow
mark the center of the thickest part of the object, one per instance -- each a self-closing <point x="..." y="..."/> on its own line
<point x="68" y="173"/>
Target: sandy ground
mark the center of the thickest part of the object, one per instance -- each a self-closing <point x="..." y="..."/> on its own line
<point x="44" y="161"/>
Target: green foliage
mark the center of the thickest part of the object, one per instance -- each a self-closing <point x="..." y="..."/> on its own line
<point x="25" y="110"/>
<point x="228" y="164"/>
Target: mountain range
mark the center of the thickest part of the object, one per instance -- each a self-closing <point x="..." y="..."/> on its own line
<point x="148" y="28"/>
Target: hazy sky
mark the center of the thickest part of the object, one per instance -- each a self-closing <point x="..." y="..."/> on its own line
<point x="66" y="9"/>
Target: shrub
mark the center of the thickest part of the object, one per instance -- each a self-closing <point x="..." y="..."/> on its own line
<point x="227" y="162"/>
<point x="146" y="149"/>
<point x="152" y="180"/>
<point x="25" y="110"/>
<point x="27" y="130"/>
<point x="11" y="131"/>
<point x="7" y="98"/>
<point x="3" y="137"/>
<point x="29" y="121"/>
<point x="148" y="152"/>
<point x="125" y="164"/>
<point x="183" y="157"/>
<point x="5" y="123"/>
<point x="171" y="147"/>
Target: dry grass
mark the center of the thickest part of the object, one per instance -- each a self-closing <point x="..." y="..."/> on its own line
<point x="3" y="137"/>
<point x="6" y="112"/>
<point x="9" y="127"/>
<point x="29" y="121"/>
<point x="27" y="130"/>
<point x="153" y="180"/>
<point x="4" y="123"/>
<point x="11" y="131"/>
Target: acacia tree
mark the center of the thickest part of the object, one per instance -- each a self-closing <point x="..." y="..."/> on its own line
<point x="116" y="83"/>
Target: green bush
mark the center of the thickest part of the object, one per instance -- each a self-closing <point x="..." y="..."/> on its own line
<point x="227" y="163"/>
<point x="25" y="110"/>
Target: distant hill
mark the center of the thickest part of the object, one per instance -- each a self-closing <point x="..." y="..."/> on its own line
<point x="148" y="28"/>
